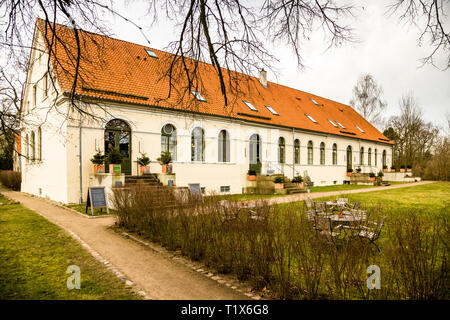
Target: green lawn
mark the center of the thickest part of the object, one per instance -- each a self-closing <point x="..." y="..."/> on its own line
<point x="82" y="209"/>
<point x="35" y="254"/>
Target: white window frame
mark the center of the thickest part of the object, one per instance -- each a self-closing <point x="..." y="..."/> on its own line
<point x="248" y="104"/>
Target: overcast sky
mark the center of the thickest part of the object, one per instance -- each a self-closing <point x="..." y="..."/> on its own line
<point x="387" y="48"/>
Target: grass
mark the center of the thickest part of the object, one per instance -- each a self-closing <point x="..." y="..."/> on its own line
<point x="35" y="255"/>
<point x="82" y="209"/>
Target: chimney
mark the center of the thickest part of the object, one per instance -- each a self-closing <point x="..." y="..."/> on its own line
<point x="263" y="78"/>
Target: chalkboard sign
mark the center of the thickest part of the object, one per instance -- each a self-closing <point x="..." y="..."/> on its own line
<point x="96" y="198"/>
<point x="195" y="190"/>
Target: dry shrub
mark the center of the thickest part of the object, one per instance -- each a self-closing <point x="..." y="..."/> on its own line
<point x="11" y="179"/>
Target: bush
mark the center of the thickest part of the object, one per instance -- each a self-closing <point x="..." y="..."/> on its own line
<point x="402" y="166"/>
<point x="114" y="156"/>
<point x="98" y="158"/>
<point x="358" y="170"/>
<point x="256" y="167"/>
<point x="278" y="179"/>
<point x="165" y="158"/>
<point x="11" y="179"/>
<point x="385" y="167"/>
<point x="297" y="179"/>
<point x="380" y="174"/>
<point x="251" y="173"/>
<point x="143" y="160"/>
<point x="349" y="170"/>
<point x="372" y="175"/>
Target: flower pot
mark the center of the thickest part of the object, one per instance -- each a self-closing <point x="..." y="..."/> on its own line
<point x="402" y="170"/>
<point x="115" y="168"/>
<point x="144" y="169"/>
<point x="408" y="170"/>
<point x="392" y="170"/>
<point x="349" y="174"/>
<point x="166" y="168"/>
<point x="279" y="185"/>
<point x="99" y="168"/>
<point x="386" y="170"/>
<point x="251" y="177"/>
<point x="372" y="178"/>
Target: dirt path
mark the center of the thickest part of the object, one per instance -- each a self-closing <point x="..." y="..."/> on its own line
<point x="303" y="196"/>
<point x="159" y="276"/>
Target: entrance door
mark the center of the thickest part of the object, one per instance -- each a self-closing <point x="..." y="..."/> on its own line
<point x="118" y="134"/>
<point x="349" y="157"/>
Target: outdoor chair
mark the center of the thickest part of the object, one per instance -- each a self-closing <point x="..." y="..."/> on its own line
<point x="320" y="208"/>
<point x="324" y="226"/>
<point x="372" y="233"/>
<point x="309" y="203"/>
<point x="344" y="200"/>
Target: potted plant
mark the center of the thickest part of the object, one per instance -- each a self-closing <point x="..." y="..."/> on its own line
<point x="114" y="158"/>
<point x="372" y="176"/>
<point x="298" y="180"/>
<point x="99" y="162"/>
<point x="385" y="169"/>
<point x="380" y="174"/>
<point x="144" y="162"/>
<point x="279" y="182"/>
<point x="251" y="175"/>
<point x="165" y="160"/>
<point x="402" y="168"/>
<point x="393" y="169"/>
<point x="408" y="168"/>
<point x="358" y="170"/>
<point x="349" y="172"/>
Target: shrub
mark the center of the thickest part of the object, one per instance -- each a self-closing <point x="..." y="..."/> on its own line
<point x="165" y="158"/>
<point x="358" y="170"/>
<point x="98" y="158"/>
<point x="11" y="179"/>
<point x="251" y="172"/>
<point x="408" y="166"/>
<point x="372" y="175"/>
<point x="350" y="170"/>
<point x="143" y="160"/>
<point x="278" y="179"/>
<point x="256" y="167"/>
<point x="297" y="179"/>
<point x="114" y="156"/>
<point x="402" y="166"/>
<point x="385" y="167"/>
<point x="393" y="168"/>
<point x="380" y="174"/>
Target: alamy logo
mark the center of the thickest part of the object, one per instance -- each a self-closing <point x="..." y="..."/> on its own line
<point x="374" y="280"/>
<point x="74" y="281"/>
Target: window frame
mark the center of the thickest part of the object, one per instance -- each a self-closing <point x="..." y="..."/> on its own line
<point x="195" y="147"/>
<point x="310" y="147"/>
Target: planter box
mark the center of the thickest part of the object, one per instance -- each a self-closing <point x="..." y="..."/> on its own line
<point x="251" y="178"/>
<point x="99" y="168"/>
<point x="279" y="185"/>
<point x="166" y="168"/>
<point x="402" y="170"/>
<point x="299" y="184"/>
<point x="115" y="168"/>
<point x="144" y="169"/>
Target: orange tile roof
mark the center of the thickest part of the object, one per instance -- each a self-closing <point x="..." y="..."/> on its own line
<point x="121" y="71"/>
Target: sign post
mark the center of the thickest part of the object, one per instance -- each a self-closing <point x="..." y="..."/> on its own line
<point x="96" y="198"/>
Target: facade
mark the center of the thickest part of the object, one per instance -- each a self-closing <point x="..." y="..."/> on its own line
<point x="305" y="135"/>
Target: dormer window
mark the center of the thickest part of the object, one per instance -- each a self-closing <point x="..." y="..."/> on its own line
<point x="248" y="104"/>
<point x="359" y="128"/>
<point x="310" y="118"/>
<point x="340" y="124"/>
<point x="314" y="101"/>
<point x="334" y="124"/>
<point x="151" y="53"/>
<point x="272" y="110"/>
<point x="198" y="96"/>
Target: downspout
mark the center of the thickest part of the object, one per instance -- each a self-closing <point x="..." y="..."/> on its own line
<point x="293" y="153"/>
<point x="80" y="153"/>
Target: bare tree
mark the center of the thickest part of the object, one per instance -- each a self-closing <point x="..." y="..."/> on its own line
<point x="367" y="100"/>
<point x="431" y="17"/>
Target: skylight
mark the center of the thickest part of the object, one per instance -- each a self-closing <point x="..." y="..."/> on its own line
<point x="272" y="110"/>
<point x="340" y="125"/>
<point x="315" y="102"/>
<point x="151" y="53"/>
<point x="310" y="118"/>
<point x="334" y="124"/>
<point x="198" y="96"/>
<point x="359" y="128"/>
<point x="250" y="105"/>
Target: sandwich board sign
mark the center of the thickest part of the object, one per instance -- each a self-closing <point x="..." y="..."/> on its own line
<point x="96" y="198"/>
<point x="195" y="190"/>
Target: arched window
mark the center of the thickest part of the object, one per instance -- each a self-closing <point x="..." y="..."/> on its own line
<point x="369" y="156"/>
<point x="322" y="153"/>
<point x="118" y="135"/>
<point x="334" y="153"/>
<point x="376" y="157"/>
<point x="255" y="149"/>
<point x="384" y="159"/>
<point x="27" y="147"/>
<point x="361" y="156"/>
<point x="224" y="146"/>
<point x="349" y="157"/>
<point x="33" y="146"/>
<point x="281" y="150"/>
<point x="297" y="151"/>
<point x="198" y="144"/>
<point x="310" y="152"/>
<point x="40" y="143"/>
<point x="169" y="140"/>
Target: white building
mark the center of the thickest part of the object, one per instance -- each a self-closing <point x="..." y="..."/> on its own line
<point x="286" y="130"/>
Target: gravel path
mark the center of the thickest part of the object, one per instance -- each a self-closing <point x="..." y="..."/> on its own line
<point x="152" y="271"/>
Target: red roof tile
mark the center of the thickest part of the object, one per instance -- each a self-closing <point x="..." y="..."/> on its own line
<point x="121" y="71"/>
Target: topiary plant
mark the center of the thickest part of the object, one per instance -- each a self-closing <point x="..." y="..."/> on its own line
<point x="114" y="156"/>
<point x="143" y="160"/>
<point x="98" y="158"/>
<point x="165" y="158"/>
